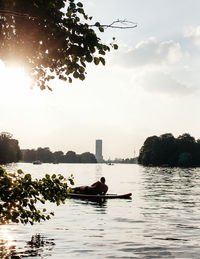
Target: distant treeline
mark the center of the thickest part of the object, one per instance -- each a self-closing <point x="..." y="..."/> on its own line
<point x="10" y="152"/>
<point x="9" y="149"/>
<point x="46" y="156"/>
<point x="124" y="161"/>
<point x="129" y="161"/>
<point x="166" y="150"/>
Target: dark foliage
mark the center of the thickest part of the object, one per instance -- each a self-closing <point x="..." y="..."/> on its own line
<point x="46" y="156"/>
<point x="19" y="194"/>
<point x="167" y="150"/>
<point x="9" y="149"/>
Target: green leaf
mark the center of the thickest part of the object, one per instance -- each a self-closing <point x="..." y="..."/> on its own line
<point x="69" y="13"/>
<point x="115" y="46"/>
<point x="80" y="10"/>
<point x="79" y="4"/>
<point x="82" y="77"/>
<point x="89" y="58"/>
<point x="75" y="74"/>
<point x="97" y="24"/>
<point x="101" y="52"/>
<point x="81" y="70"/>
<point x="102" y="61"/>
<point x="61" y="177"/>
<point x="20" y="171"/>
<point x="101" y="29"/>
<point x="96" y="61"/>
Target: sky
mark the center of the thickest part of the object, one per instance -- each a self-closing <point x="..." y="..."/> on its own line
<point x="149" y="86"/>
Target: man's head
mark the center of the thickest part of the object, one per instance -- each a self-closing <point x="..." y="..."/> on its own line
<point x="102" y="180"/>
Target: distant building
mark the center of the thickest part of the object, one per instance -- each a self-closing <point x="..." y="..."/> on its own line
<point x="98" y="153"/>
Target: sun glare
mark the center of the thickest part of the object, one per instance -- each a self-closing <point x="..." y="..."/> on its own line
<point x="6" y="236"/>
<point x="13" y="80"/>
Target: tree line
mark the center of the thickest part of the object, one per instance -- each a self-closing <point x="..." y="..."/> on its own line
<point x="46" y="156"/>
<point x="10" y="152"/>
<point x="9" y="149"/>
<point x="123" y="161"/>
<point x="166" y="150"/>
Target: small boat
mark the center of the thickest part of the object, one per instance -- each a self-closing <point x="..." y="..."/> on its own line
<point x="37" y="162"/>
<point x="98" y="196"/>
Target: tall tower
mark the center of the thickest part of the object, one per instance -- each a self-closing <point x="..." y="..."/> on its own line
<point x="98" y="153"/>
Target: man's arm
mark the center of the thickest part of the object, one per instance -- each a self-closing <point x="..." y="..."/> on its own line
<point x="105" y="190"/>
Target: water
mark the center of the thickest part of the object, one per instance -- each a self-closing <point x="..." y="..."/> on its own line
<point x="161" y="221"/>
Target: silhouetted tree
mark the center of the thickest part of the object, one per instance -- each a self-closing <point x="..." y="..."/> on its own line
<point x="29" y="155"/>
<point x="149" y="153"/>
<point x="71" y="157"/>
<point x="58" y="157"/>
<point x="9" y="149"/>
<point x="169" y="151"/>
<point x="46" y="156"/>
<point x="87" y="158"/>
<point x="185" y="159"/>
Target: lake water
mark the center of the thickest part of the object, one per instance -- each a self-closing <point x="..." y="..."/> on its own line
<point x="162" y="220"/>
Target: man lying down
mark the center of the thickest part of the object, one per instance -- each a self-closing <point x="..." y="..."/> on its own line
<point x="98" y="187"/>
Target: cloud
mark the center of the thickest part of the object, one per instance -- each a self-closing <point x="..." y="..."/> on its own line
<point x="151" y="53"/>
<point x="160" y="67"/>
<point x="193" y="32"/>
<point x="159" y="82"/>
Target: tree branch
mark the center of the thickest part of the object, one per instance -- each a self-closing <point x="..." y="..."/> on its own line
<point x="12" y="13"/>
<point x="124" y="25"/>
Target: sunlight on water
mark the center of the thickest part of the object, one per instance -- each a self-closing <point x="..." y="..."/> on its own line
<point x="6" y="235"/>
<point x="162" y="220"/>
<point x="7" y="244"/>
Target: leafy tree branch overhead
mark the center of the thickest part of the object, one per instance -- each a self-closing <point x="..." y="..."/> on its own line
<point x="20" y="194"/>
<point x="50" y="38"/>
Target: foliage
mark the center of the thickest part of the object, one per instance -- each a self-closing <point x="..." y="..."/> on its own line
<point x="87" y="157"/>
<point x="19" y="194"/>
<point x="167" y="150"/>
<point x="185" y="159"/>
<point x="46" y="156"/>
<point x="50" y="37"/>
<point x="9" y="149"/>
<point x="71" y="157"/>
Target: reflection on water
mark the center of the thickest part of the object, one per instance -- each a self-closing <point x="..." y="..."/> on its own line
<point x="161" y="221"/>
<point x="7" y="245"/>
<point x="98" y="205"/>
<point x="33" y="248"/>
<point x="98" y="171"/>
<point x="7" y="250"/>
